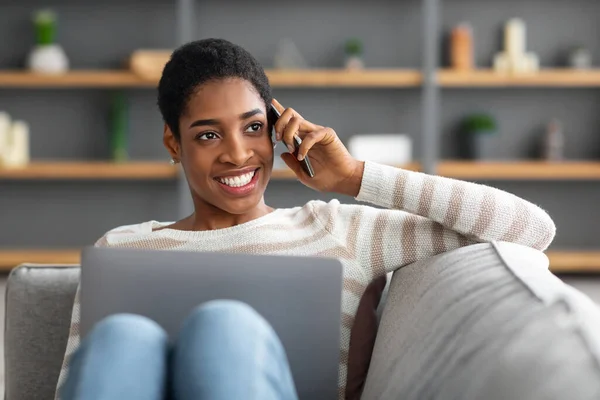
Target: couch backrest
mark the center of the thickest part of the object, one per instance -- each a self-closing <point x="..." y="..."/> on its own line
<point x="485" y="322"/>
<point x="39" y="301"/>
<point x="482" y="322"/>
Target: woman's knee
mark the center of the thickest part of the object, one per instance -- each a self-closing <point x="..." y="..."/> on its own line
<point x="130" y="327"/>
<point x="226" y="314"/>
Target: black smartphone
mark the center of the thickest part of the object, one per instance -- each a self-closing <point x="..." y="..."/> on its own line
<point x="274" y="116"/>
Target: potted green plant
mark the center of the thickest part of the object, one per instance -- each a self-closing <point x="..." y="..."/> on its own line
<point x="47" y="56"/>
<point x="480" y="131"/>
<point x="354" y="54"/>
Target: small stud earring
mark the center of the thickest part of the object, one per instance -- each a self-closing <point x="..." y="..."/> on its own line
<point x="172" y="161"/>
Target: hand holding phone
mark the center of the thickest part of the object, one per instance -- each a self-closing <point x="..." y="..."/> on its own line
<point x="305" y="163"/>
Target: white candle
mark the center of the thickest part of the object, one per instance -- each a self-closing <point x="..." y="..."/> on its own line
<point x="4" y="132"/>
<point x="515" y="38"/>
<point x="18" y="148"/>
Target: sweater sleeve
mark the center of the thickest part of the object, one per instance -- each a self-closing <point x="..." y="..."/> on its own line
<point x="424" y="215"/>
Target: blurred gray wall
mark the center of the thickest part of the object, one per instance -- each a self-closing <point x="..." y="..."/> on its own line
<point x="73" y="123"/>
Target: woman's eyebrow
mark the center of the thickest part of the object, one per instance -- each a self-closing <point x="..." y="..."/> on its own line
<point x="203" y="122"/>
<point x="211" y="122"/>
<point x="251" y="113"/>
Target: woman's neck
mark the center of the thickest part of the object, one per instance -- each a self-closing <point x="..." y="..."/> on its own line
<point x="207" y="217"/>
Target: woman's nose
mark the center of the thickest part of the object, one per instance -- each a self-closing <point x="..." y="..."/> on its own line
<point x="236" y="152"/>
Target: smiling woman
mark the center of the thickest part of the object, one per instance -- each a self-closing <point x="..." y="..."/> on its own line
<point x="216" y="125"/>
<point x="223" y="140"/>
<point x="214" y="98"/>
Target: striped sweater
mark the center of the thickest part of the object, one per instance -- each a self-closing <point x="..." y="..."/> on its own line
<point x="417" y="216"/>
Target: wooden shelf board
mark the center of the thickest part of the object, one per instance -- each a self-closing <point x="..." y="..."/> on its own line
<point x="91" y="170"/>
<point x="288" y="174"/>
<point x="382" y="78"/>
<point x="278" y="78"/>
<point x="520" y="170"/>
<point x="389" y="78"/>
<point x="82" y="78"/>
<point x="11" y="258"/>
<point x="543" y="78"/>
<point x="508" y="170"/>
<point x="574" y="261"/>
<point x="560" y="261"/>
<point x="108" y="170"/>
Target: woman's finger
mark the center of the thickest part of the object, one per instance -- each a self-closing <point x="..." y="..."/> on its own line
<point x="278" y="106"/>
<point x="310" y="140"/>
<point x="308" y="126"/>
<point x="290" y="130"/>
<point x="286" y="115"/>
<point x="283" y="121"/>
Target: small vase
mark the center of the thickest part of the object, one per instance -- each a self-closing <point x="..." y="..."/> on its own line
<point x="48" y="59"/>
<point x="354" y="63"/>
<point x="580" y="59"/>
<point x="483" y="146"/>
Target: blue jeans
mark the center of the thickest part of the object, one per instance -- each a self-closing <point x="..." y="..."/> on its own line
<point x="225" y="350"/>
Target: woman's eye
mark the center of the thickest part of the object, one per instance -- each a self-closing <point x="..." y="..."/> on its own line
<point x="207" y="136"/>
<point x="254" y="127"/>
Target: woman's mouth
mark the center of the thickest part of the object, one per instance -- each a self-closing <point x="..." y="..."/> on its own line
<point x="240" y="184"/>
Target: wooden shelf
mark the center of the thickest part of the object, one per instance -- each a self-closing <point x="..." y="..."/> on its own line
<point x="318" y="78"/>
<point x="560" y="261"/>
<point x="288" y="174"/>
<point x="11" y="258"/>
<point x="574" y="261"/>
<point x="543" y="78"/>
<point x="520" y="170"/>
<point x="387" y="78"/>
<point x="143" y="170"/>
<point x="73" y="79"/>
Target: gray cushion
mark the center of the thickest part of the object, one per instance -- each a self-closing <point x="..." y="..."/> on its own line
<point x="485" y="322"/>
<point x="38" y="311"/>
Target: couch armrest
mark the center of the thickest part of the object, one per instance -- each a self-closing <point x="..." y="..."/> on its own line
<point x="487" y="321"/>
<point x="39" y="301"/>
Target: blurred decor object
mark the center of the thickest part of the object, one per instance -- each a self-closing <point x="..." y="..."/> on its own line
<point x="119" y="124"/>
<point x="391" y="149"/>
<point x="479" y="132"/>
<point x="288" y="56"/>
<point x="462" y="48"/>
<point x="354" y="54"/>
<point x="580" y="58"/>
<point x="47" y="56"/>
<point x="14" y="142"/>
<point x="5" y="127"/>
<point x="554" y="141"/>
<point x="149" y="64"/>
<point x="514" y="59"/>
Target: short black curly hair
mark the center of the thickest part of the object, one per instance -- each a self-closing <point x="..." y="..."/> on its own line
<point x="201" y="61"/>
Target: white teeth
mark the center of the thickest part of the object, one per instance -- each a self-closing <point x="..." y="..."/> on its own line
<point x="238" y="181"/>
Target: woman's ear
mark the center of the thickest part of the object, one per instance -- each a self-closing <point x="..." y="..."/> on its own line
<point x="171" y="143"/>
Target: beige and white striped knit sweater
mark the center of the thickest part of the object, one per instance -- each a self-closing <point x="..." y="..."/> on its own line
<point x="424" y="215"/>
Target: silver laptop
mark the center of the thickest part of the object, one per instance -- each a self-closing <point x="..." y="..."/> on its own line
<point x="299" y="296"/>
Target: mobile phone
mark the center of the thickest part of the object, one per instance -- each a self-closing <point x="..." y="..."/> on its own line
<point x="297" y="141"/>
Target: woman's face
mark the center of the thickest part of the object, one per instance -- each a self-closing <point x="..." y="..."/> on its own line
<point x="225" y="147"/>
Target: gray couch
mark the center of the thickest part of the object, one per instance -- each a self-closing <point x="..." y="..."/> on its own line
<point x="484" y="322"/>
